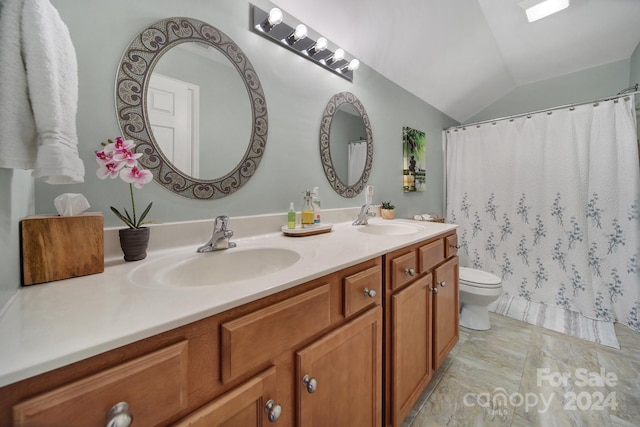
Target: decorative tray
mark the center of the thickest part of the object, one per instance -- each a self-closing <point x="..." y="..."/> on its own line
<point x="306" y="231"/>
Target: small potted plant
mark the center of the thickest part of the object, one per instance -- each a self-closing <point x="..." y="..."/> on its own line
<point x="387" y="210"/>
<point x="119" y="159"/>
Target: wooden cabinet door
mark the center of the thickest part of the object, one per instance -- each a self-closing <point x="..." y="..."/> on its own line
<point x="445" y="310"/>
<point x="344" y="375"/>
<point x="243" y="406"/>
<point x="411" y="346"/>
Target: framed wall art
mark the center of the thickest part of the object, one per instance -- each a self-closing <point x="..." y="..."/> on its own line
<point x="414" y="153"/>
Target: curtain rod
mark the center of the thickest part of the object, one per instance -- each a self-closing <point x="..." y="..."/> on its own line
<point x="595" y="102"/>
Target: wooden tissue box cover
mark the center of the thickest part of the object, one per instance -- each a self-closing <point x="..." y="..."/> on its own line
<point x="59" y="247"/>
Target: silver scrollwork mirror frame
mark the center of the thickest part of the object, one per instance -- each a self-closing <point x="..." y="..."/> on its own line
<point x="132" y="82"/>
<point x="330" y="110"/>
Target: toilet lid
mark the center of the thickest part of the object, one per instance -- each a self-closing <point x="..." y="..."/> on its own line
<point x="474" y="277"/>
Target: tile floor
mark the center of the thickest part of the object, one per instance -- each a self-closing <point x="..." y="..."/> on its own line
<point x="517" y="374"/>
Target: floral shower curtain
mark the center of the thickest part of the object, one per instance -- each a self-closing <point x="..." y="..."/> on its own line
<point x="549" y="203"/>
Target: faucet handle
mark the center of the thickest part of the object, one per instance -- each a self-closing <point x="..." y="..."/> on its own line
<point x="221" y="223"/>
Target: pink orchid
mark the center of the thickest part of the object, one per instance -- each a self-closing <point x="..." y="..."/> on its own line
<point x="103" y="157"/>
<point x="119" y="144"/>
<point x="118" y="158"/>
<point x="111" y="170"/>
<point x="135" y="176"/>
<point x="127" y="156"/>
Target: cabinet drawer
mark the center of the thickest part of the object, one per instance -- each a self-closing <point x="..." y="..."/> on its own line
<point x="253" y="339"/>
<point x="451" y="246"/>
<point x="431" y="255"/>
<point x="355" y="298"/>
<point x="403" y="269"/>
<point x="154" y="386"/>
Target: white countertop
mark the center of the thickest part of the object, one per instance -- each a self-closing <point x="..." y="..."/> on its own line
<point x="51" y="325"/>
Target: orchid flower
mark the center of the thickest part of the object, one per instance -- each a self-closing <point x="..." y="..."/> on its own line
<point x="118" y="158"/>
<point x="135" y="176"/>
<point x="128" y="157"/>
<point x="103" y="157"/>
<point x="111" y="170"/>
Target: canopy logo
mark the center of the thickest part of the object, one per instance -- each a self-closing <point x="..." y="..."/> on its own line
<point x="499" y="402"/>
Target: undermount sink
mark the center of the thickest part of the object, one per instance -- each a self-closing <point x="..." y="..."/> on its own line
<point x="187" y="270"/>
<point x="389" y="229"/>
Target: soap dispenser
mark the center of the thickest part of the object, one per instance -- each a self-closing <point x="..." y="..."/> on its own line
<point x="315" y="202"/>
<point x="291" y="217"/>
<point x="307" y="210"/>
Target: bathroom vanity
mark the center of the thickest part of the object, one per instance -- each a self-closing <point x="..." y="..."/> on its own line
<point x="349" y="334"/>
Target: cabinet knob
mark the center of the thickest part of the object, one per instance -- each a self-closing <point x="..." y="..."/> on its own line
<point x="273" y="409"/>
<point x="434" y="290"/>
<point x="119" y="415"/>
<point x="454" y="246"/>
<point x="370" y="293"/>
<point x="409" y="271"/>
<point x="311" y="383"/>
<point x="443" y="284"/>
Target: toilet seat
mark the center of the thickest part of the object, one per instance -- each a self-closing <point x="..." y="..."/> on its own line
<point x="479" y="278"/>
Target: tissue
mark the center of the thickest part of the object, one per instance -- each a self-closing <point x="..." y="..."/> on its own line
<point x="70" y="204"/>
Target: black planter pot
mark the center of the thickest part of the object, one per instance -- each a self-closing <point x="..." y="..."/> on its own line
<point x="134" y="243"/>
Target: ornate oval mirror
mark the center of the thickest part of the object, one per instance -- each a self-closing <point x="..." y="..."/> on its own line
<point x="346" y="144"/>
<point x="181" y="94"/>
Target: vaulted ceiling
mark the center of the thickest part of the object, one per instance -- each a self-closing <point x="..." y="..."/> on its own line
<point x="462" y="55"/>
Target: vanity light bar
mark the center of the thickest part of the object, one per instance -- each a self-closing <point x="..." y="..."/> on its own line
<point x="294" y="36"/>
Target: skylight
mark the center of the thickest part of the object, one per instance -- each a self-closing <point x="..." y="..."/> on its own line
<point x="538" y="9"/>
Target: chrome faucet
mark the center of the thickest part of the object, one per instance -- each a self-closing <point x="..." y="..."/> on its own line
<point x="220" y="238"/>
<point x="364" y="215"/>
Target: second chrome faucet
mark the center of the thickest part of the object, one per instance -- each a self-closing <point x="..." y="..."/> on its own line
<point x="364" y="215"/>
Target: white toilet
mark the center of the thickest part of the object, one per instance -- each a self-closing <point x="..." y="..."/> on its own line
<point x="478" y="289"/>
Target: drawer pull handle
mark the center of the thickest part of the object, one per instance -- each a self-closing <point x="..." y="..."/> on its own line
<point x="119" y="415"/>
<point x="273" y="409"/>
<point x="442" y="284"/>
<point x="311" y="383"/>
<point x="370" y="293"/>
<point x="409" y="271"/>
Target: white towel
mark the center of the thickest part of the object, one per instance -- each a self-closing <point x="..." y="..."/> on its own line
<point x="38" y="92"/>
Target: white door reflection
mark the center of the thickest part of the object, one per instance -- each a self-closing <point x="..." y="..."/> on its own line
<point x="173" y="108"/>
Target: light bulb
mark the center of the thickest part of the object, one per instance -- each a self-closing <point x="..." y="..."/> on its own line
<point x="275" y="16"/>
<point x="320" y="45"/>
<point x="338" y="55"/>
<point x="300" y="32"/>
<point x="354" y="65"/>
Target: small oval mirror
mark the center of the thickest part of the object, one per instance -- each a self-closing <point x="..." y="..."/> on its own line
<point x="346" y="144"/>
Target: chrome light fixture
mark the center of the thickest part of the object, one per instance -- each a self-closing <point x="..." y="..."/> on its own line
<point x="538" y="9"/>
<point x="294" y="36"/>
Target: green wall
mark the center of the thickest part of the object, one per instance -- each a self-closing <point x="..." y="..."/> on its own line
<point x="581" y="86"/>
